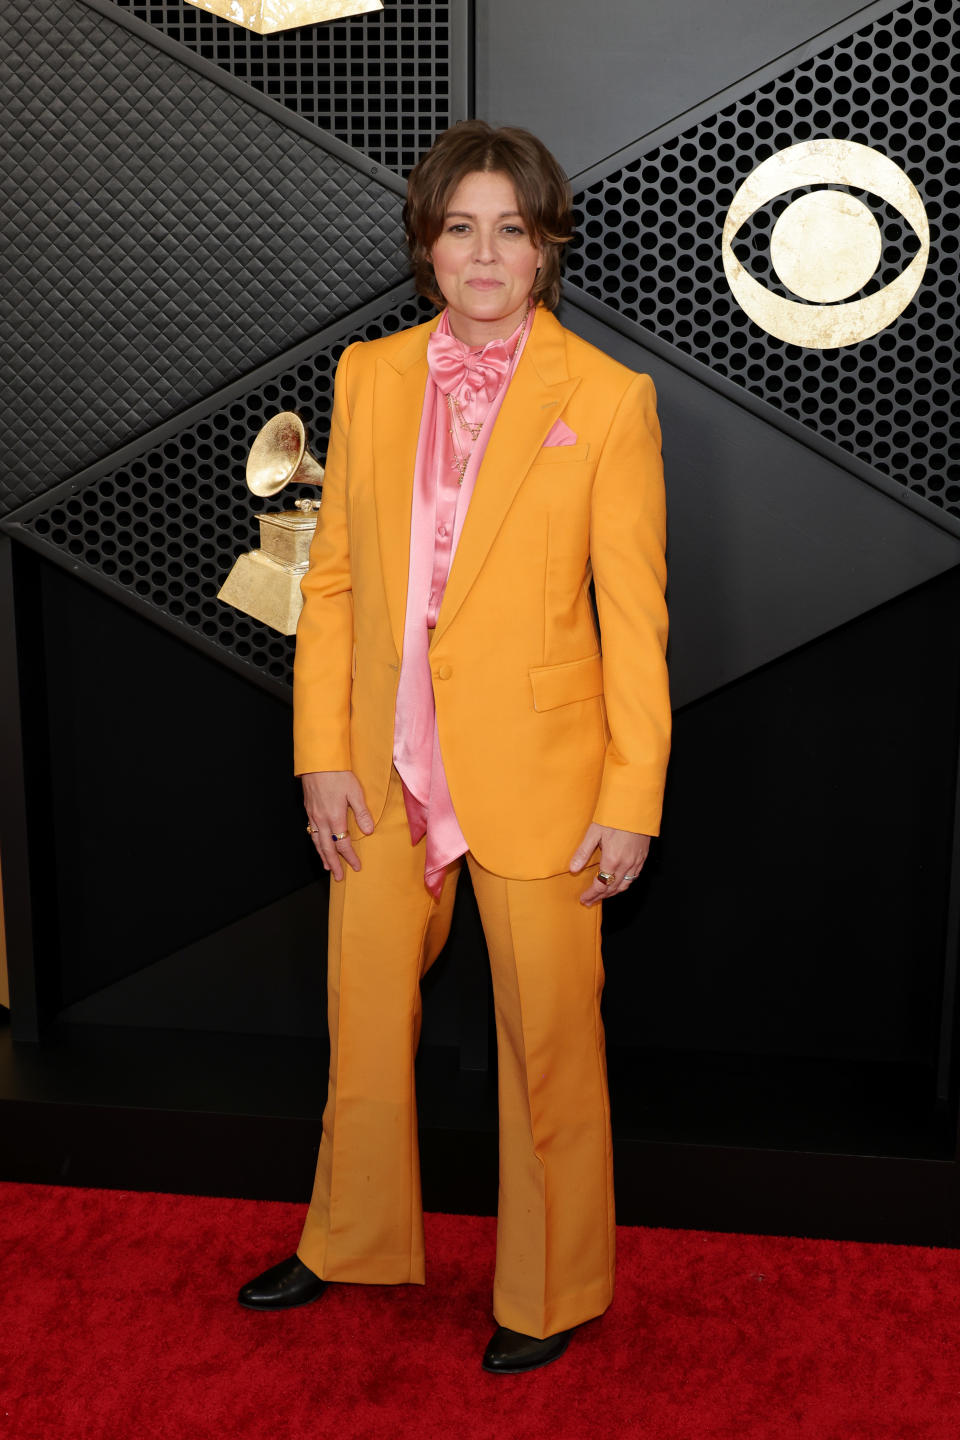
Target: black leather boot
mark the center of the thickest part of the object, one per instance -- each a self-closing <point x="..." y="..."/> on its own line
<point x="510" y="1353"/>
<point x="282" y="1287"/>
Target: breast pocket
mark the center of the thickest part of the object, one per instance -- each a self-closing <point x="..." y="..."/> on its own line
<point x="562" y="454"/>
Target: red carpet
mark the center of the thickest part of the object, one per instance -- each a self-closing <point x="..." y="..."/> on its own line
<point x="118" y="1322"/>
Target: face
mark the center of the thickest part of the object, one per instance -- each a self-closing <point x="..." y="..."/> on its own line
<point x="484" y="259"/>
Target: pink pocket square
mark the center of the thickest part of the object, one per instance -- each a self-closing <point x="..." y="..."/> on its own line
<point x="561" y="434"/>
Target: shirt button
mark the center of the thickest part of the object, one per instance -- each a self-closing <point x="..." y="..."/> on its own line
<point x="441" y="530"/>
<point x="445" y="672"/>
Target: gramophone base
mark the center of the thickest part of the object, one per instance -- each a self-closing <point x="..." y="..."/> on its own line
<point x="265" y="589"/>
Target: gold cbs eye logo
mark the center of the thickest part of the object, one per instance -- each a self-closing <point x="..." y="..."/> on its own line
<point x="826" y="244"/>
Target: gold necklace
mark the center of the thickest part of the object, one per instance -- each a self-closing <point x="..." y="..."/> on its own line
<point x="461" y="460"/>
<point x="471" y="428"/>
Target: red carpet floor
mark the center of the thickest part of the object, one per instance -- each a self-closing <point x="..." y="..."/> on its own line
<point x="118" y="1322"/>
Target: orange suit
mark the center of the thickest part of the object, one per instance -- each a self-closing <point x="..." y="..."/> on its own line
<point x="539" y="737"/>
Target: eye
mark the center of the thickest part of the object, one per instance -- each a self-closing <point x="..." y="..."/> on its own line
<point x="460" y="227"/>
<point x="825" y="243"/>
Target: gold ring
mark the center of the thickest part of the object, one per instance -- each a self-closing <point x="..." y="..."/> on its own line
<point x="605" y="876"/>
<point x="342" y="836"/>
<point x="312" y="830"/>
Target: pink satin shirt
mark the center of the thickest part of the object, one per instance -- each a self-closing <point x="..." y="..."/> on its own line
<point x="448" y="459"/>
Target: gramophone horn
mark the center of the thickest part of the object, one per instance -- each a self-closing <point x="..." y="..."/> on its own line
<point x="279" y="456"/>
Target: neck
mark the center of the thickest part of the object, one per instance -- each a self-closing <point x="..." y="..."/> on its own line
<point x="479" y="332"/>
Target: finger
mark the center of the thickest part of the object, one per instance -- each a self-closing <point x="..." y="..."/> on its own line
<point x="629" y="874"/>
<point x="597" y="891"/>
<point x="326" y="845"/>
<point x="618" y="869"/>
<point x="316" y="830"/>
<point x="358" y="805"/>
<point x="332" y="847"/>
<point x="585" y="849"/>
<point x="332" y="860"/>
<point x="346" y="850"/>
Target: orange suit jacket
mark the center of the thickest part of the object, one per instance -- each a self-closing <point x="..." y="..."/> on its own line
<point x="539" y="735"/>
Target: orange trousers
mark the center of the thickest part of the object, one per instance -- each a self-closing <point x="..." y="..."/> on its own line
<point x="555" y="1228"/>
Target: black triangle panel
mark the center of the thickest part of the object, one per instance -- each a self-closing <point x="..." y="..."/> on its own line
<point x="769" y="544"/>
<point x="163" y="236"/>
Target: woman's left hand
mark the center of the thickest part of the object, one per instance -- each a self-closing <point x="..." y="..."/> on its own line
<point x="622" y="855"/>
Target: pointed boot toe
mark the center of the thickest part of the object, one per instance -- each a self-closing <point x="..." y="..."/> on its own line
<point x="510" y="1353"/>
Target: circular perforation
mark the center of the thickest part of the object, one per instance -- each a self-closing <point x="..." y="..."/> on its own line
<point x="648" y="245"/>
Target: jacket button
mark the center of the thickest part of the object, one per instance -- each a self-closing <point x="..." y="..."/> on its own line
<point x="445" y="672"/>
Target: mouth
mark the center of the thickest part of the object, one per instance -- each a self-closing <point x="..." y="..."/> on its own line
<point x="484" y="284"/>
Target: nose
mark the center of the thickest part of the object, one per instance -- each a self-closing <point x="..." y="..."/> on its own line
<point x="484" y="251"/>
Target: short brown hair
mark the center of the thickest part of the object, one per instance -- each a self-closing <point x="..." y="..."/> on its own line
<point x="543" y="197"/>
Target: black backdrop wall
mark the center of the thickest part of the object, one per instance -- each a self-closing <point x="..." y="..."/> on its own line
<point x="200" y="220"/>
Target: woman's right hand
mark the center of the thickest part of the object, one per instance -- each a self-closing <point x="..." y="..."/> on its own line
<point x="326" y="796"/>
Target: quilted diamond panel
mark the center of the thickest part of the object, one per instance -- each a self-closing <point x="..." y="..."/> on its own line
<point x="380" y="82"/>
<point x="649" y="244"/>
<point x="163" y="236"/>
<point x="168" y="525"/>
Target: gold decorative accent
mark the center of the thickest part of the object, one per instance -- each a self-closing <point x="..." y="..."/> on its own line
<point x="265" y="583"/>
<point x="286" y="536"/>
<point x="279" y="456"/>
<point x="826" y="245"/>
<point x="822" y="246"/>
<point x="269" y="592"/>
<point x="263" y="17"/>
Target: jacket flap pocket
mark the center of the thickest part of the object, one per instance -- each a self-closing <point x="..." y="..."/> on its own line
<point x="555" y="685"/>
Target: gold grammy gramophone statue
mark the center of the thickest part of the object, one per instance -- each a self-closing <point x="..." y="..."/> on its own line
<point x="265" y="583"/>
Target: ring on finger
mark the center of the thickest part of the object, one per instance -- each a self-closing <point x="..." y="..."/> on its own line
<point x="313" y="830"/>
<point x="606" y="877"/>
<point x="342" y="835"/>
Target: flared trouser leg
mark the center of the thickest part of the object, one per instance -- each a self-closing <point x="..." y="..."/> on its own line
<point x="555" y="1234"/>
<point x="555" y="1231"/>
<point x="365" y="1221"/>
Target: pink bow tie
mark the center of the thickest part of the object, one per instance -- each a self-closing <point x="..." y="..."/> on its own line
<point x="451" y="365"/>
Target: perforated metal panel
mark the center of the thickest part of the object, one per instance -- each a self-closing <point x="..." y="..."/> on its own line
<point x="145" y="338"/>
<point x="381" y="81"/>
<point x="163" y="237"/>
<point x="168" y="524"/>
<point x="649" y="244"/>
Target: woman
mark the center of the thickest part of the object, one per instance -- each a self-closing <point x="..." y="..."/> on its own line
<point x="450" y="702"/>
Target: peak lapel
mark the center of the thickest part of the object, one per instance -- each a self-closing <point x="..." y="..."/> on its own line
<point x="534" y="402"/>
<point x="398" y="404"/>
